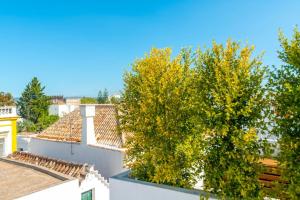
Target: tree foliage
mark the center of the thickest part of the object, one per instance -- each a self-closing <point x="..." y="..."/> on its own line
<point x="286" y="91"/>
<point x="88" y="100"/>
<point x="26" y="126"/>
<point x="231" y="105"/>
<point x="156" y="108"/>
<point x="33" y="104"/>
<point x="6" y="99"/>
<point x="33" y="107"/>
<point x="206" y="111"/>
<point x="115" y="100"/>
<point x="103" y="97"/>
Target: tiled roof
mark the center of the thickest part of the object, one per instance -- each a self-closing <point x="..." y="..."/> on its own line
<point x="79" y="171"/>
<point x="68" y="128"/>
<point x="67" y="168"/>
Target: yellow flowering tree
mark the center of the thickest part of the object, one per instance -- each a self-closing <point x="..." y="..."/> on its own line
<point x="286" y="93"/>
<point x="156" y="108"/>
<point x="231" y="107"/>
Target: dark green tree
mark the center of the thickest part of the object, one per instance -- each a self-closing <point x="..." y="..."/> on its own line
<point x="6" y="99"/>
<point x="230" y="104"/>
<point x="103" y="97"/>
<point x="286" y="93"/>
<point x="33" y="105"/>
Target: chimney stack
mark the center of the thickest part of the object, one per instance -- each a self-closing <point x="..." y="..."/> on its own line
<point x="88" y="132"/>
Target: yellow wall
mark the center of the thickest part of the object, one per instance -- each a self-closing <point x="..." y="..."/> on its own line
<point x="14" y="135"/>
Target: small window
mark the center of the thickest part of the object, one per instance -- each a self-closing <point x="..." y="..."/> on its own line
<point x="88" y="195"/>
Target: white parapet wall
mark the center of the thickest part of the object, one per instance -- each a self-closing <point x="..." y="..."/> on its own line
<point x="8" y="111"/>
<point x="66" y="190"/>
<point x="108" y="161"/>
<point x="95" y="182"/>
<point x="121" y="187"/>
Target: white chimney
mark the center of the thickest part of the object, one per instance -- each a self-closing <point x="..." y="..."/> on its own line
<point x="88" y="132"/>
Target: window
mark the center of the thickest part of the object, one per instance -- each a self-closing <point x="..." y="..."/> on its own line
<point x="88" y="195"/>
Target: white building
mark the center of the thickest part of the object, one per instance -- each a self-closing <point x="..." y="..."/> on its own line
<point x="61" y="109"/>
<point x="61" y="106"/>
<point x="86" y="135"/>
<point x="26" y="176"/>
<point x="73" y="100"/>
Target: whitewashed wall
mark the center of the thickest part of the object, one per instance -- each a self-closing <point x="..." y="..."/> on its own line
<point x="109" y="162"/>
<point x="63" y="191"/>
<point x="23" y="142"/>
<point x="6" y="134"/>
<point x="72" y="190"/>
<point x="97" y="184"/>
<point x="61" y="110"/>
<point x="123" y="188"/>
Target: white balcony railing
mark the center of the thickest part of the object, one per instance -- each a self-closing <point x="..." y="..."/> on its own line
<point x="8" y="111"/>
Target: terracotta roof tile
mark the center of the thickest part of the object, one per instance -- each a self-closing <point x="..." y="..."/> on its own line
<point x="67" y="168"/>
<point x="68" y="128"/>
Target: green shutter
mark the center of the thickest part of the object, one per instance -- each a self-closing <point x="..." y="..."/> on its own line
<point x="88" y="195"/>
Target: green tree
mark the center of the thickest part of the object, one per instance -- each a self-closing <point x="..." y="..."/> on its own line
<point x="286" y="92"/>
<point x="115" y="100"/>
<point x="33" y="103"/>
<point x="46" y="120"/>
<point x="6" y="99"/>
<point x="156" y="108"/>
<point x="103" y="97"/>
<point x="230" y="105"/>
<point x="33" y="107"/>
<point x="88" y="100"/>
<point x="26" y="126"/>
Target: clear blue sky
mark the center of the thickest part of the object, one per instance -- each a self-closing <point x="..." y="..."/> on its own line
<point x="78" y="47"/>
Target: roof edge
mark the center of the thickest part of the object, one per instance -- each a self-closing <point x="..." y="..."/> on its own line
<point x="55" y="174"/>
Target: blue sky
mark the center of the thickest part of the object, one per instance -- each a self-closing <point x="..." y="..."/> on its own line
<point x="78" y="47"/>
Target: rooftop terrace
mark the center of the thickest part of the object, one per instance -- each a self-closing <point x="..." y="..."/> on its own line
<point x="17" y="180"/>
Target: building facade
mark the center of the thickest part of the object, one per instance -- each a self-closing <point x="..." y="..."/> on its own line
<point x="8" y="130"/>
<point x="61" y="109"/>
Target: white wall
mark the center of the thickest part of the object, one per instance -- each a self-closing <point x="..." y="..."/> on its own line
<point x="94" y="182"/>
<point x="63" y="191"/>
<point x="121" y="188"/>
<point x="23" y="142"/>
<point x="61" y="110"/>
<point x="72" y="190"/>
<point x="109" y="162"/>
<point x="6" y="133"/>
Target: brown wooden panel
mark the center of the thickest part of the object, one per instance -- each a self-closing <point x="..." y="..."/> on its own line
<point x="269" y="177"/>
